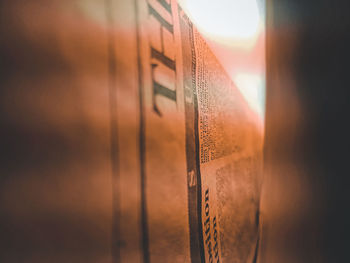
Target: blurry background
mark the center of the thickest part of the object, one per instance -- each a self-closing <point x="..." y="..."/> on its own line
<point x="55" y="133"/>
<point x="306" y="187"/>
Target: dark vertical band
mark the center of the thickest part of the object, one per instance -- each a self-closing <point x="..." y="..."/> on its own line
<point x="144" y="224"/>
<point x="114" y="151"/>
<point x="192" y="141"/>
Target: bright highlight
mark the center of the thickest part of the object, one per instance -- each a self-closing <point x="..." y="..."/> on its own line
<point x="251" y="87"/>
<point x="235" y="31"/>
<point x="238" y="19"/>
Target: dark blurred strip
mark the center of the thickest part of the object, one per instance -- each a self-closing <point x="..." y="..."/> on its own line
<point x="306" y="194"/>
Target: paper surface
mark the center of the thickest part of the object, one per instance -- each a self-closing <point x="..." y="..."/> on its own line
<point x="200" y="149"/>
<point x="125" y="139"/>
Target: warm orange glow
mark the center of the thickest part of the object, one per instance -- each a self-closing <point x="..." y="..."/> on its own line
<point x="235" y="31"/>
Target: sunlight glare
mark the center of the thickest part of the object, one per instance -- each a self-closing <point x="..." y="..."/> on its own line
<point x="235" y="31"/>
<point x="234" y="19"/>
<point x="251" y="86"/>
